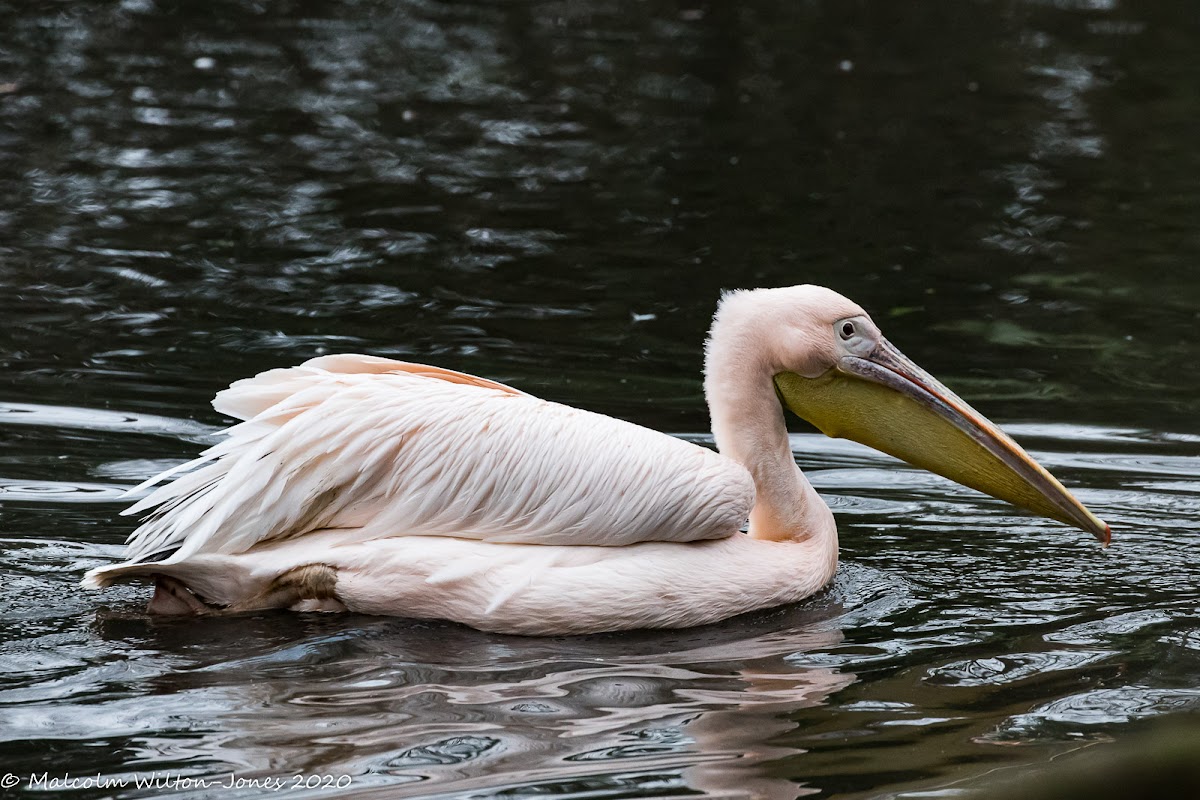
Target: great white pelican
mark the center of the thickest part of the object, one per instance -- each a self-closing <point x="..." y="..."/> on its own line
<point x="376" y="486"/>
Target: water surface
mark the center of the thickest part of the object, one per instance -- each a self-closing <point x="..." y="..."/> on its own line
<point x="553" y="194"/>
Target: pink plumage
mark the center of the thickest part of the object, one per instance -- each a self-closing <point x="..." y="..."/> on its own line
<point x="379" y="448"/>
<point x="365" y="484"/>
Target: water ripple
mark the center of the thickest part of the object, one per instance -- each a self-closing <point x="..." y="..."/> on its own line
<point x="59" y="492"/>
<point x="94" y="419"/>
<point x="1100" y="707"/>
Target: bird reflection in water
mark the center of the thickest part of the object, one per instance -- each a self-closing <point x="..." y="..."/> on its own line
<point x="446" y="709"/>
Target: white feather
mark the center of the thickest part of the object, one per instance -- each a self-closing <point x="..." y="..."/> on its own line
<point x="389" y="451"/>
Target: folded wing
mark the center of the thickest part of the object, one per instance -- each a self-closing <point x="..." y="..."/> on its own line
<point x="382" y="448"/>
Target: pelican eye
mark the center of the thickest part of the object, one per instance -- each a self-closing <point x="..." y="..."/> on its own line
<point x="847" y="330"/>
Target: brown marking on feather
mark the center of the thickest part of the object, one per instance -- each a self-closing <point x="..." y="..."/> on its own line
<point x="462" y="378"/>
<point x="310" y="582"/>
<point x="352" y="364"/>
<point x="316" y="582"/>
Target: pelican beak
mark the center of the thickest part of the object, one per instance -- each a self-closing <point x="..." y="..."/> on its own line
<point x="887" y="402"/>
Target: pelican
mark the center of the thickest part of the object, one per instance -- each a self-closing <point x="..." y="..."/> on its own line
<point x="363" y="484"/>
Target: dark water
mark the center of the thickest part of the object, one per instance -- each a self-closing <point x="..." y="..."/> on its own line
<point x="552" y="194"/>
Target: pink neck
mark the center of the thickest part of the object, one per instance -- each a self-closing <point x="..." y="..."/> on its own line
<point x="748" y="425"/>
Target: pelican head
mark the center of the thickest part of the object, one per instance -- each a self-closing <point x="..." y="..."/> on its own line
<point x="833" y="367"/>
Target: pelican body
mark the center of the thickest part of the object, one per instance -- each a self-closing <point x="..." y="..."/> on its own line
<point x="363" y="484"/>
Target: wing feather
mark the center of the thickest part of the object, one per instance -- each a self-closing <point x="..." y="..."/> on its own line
<point x="384" y="448"/>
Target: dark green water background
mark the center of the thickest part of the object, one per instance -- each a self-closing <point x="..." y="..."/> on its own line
<point x="553" y="194"/>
